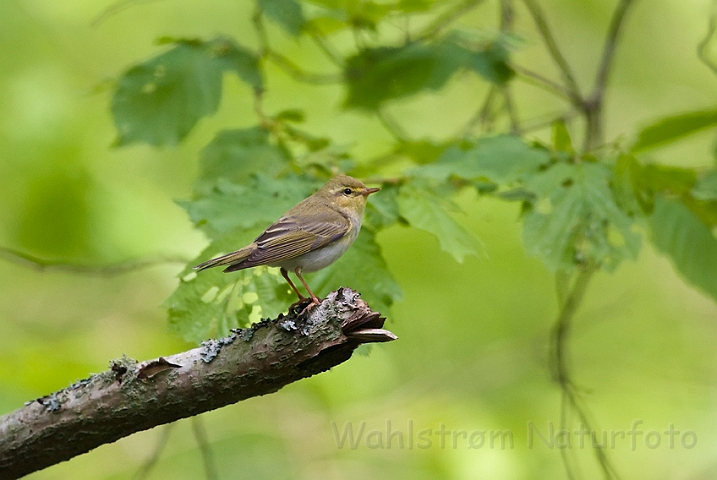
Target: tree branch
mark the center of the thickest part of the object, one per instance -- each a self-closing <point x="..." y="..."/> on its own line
<point x="132" y="396"/>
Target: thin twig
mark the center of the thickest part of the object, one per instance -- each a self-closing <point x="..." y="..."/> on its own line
<point x="43" y="265"/>
<point x="515" y="127"/>
<point x="116" y="8"/>
<point x="327" y="48"/>
<point x="559" y="359"/>
<point x="704" y="44"/>
<point x="565" y="452"/>
<point x="200" y="435"/>
<point x="260" y="29"/>
<point x="445" y="19"/>
<point x="545" y="83"/>
<point x="390" y="124"/>
<point x="545" y="121"/>
<point x="541" y="23"/>
<point x="149" y="464"/>
<point x="507" y="18"/>
<point x="284" y="63"/>
<point x="297" y="73"/>
<point x="264" y="121"/>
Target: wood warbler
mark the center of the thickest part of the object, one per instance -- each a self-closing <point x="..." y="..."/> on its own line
<point x="310" y="236"/>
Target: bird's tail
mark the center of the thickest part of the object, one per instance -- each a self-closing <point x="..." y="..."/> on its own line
<point x="233" y="259"/>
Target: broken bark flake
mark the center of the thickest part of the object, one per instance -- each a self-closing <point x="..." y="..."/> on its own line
<point x="154" y="367"/>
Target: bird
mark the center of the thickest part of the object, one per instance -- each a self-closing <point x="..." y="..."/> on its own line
<point x="308" y="237"/>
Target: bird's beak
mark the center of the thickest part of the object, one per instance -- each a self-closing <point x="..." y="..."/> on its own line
<point x="369" y="191"/>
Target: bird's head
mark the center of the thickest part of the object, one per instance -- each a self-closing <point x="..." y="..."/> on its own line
<point x="347" y="193"/>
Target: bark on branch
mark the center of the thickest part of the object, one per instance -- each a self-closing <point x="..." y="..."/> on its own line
<point x="134" y="396"/>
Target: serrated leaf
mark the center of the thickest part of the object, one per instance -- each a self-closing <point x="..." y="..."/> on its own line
<point x="287" y="13"/>
<point x="671" y="129"/>
<point x="426" y="211"/>
<point x="382" y="210"/>
<point x="503" y="159"/>
<point x="362" y="268"/>
<point x="376" y="75"/>
<point x="679" y="234"/>
<point x="159" y="101"/>
<point x="256" y="203"/>
<point x="209" y="303"/>
<point x="235" y="155"/>
<point x="582" y="222"/>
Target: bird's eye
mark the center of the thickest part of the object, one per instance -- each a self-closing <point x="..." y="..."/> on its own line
<point x="347" y="191"/>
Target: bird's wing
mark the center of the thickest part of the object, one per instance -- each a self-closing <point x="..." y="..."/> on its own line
<point x="287" y="238"/>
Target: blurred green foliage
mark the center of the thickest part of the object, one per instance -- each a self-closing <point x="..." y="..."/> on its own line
<point x="254" y="128"/>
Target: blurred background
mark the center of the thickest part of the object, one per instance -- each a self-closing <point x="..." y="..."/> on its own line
<point x="473" y="337"/>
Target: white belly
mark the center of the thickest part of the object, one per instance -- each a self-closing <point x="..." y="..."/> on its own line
<point x="322" y="257"/>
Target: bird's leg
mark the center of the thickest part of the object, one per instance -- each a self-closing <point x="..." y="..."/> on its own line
<point x="285" y="274"/>
<point x="314" y="299"/>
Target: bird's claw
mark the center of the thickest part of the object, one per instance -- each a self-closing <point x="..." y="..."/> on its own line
<point x="294" y="308"/>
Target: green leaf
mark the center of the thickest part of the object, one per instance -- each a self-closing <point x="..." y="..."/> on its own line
<point x="158" y="102"/>
<point x="561" y="138"/>
<point x="340" y="14"/>
<point x="578" y="220"/>
<point x="425" y="210"/>
<point x="376" y="75"/>
<point x="679" y="234"/>
<point x="363" y="269"/>
<point x="706" y="187"/>
<point x="490" y="62"/>
<point x="209" y="303"/>
<point x="503" y="159"/>
<point x="421" y="151"/>
<point x="671" y="129"/>
<point x="382" y="209"/>
<point x="287" y="13"/>
<point x="235" y="155"/>
<point x="255" y="204"/>
<point x="294" y="115"/>
<point x="236" y="59"/>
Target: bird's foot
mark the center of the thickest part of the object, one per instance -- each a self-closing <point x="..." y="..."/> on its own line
<point x="305" y="304"/>
<point x="314" y="302"/>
